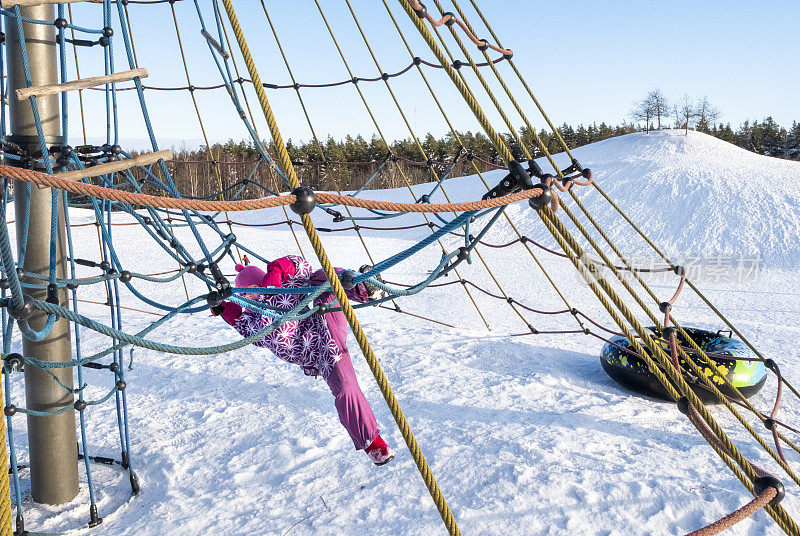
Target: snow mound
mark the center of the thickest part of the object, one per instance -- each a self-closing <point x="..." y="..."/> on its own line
<point x="692" y="195"/>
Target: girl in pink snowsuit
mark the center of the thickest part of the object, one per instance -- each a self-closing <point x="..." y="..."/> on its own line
<point x="317" y="343"/>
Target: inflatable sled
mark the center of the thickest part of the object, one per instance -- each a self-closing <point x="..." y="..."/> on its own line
<point x="731" y="358"/>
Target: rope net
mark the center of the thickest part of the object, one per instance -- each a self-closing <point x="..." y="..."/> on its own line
<point x="208" y="220"/>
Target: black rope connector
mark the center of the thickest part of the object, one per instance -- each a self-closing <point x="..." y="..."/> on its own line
<point x="573" y="311"/>
<point x="113" y="367"/>
<point x="543" y="200"/>
<point x="425" y="198"/>
<point x="667" y="331"/>
<point x="108" y="31"/>
<point x="417" y="60"/>
<point x="191" y="268"/>
<point x="533" y="329"/>
<point x="347" y="278"/>
<point x="94" y="519"/>
<point x="769" y="423"/>
<point x="296" y="86"/>
<point x="484" y="46"/>
<point x="24" y="312"/>
<point x="222" y="285"/>
<point x="510" y="299"/>
<point x="214" y="299"/>
<point x="20" y="274"/>
<point x="10" y="410"/>
<point x="4" y="284"/>
<point x="452" y="20"/>
<point x="463" y="253"/>
<point x="508" y="56"/>
<point x="104" y="41"/>
<point x="683" y="405"/>
<point x="679" y="271"/>
<point x="761" y="484"/>
<point x="125" y="276"/>
<point x="13" y="362"/>
<point x="105" y="266"/>
<point x="322" y="309"/>
<point x="422" y="12"/>
<point x="665" y="307"/>
<point x="516" y="180"/>
<point x="771" y="365"/>
<point x="471" y="238"/>
<point x="305" y="200"/>
<point x="52" y="294"/>
<point x="458" y="64"/>
<point x="60" y="23"/>
<point x="355" y="80"/>
<point x="121" y="385"/>
<point x="80" y="405"/>
<point x="2" y="37"/>
<point x="384" y="76"/>
<point x="72" y="286"/>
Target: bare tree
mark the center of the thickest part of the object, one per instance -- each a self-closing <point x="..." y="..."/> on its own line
<point x="708" y="115"/>
<point x="643" y="111"/>
<point x="685" y="113"/>
<point x="658" y="104"/>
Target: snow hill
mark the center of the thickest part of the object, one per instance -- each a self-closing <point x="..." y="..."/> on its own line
<point x="525" y="434"/>
<point x="695" y="195"/>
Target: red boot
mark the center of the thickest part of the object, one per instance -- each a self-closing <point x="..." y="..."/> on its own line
<point x="379" y="452"/>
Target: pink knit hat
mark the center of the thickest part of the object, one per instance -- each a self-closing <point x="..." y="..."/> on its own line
<point x="248" y="275"/>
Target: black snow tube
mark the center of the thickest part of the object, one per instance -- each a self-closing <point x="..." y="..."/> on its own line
<point x="731" y="357"/>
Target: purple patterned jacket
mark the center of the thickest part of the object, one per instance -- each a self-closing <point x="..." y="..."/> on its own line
<point x="308" y="342"/>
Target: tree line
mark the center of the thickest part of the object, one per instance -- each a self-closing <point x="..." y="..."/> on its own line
<point x="346" y="164"/>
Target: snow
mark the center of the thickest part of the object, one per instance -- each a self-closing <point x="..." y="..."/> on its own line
<point x="525" y="434"/>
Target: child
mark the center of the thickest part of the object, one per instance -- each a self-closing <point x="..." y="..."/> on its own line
<point x="317" y="343"/>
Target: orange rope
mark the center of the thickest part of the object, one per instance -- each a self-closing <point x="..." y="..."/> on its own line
<point x="53" y="181"/>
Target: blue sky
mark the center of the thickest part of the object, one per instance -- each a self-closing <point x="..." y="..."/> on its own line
<point x="587" y="61"/>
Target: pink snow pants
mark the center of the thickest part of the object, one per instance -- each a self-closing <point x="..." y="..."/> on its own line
<point x="355" y="413"/>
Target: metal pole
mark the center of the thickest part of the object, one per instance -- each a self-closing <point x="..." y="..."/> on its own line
<point x="52" y="440"/>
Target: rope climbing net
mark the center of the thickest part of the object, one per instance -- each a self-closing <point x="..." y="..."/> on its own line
<point x="71" y="170"/>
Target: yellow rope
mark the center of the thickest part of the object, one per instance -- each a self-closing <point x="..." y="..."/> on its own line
<point x="432" y="170"/>
<point x="562" y="235"/>
<point x="583" y="231"/>
<point x="457" y="137"/>
<point x="388" y="148"/>
<point x="240" y="80"/>
<point x="5" y="485"/>
<point x="339" y="291"/>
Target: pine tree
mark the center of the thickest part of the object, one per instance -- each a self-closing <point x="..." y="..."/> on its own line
<point x="793" y="142"/>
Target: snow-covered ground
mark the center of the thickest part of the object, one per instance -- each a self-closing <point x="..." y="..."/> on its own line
<point x="526" y="434"/>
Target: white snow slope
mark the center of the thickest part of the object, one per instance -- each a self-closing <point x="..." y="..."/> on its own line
<point x="526" y="435"/>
